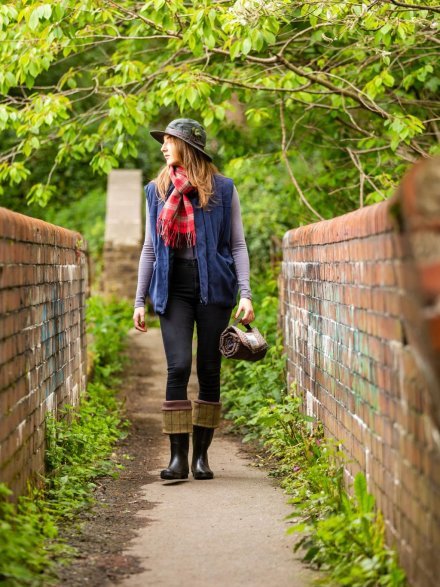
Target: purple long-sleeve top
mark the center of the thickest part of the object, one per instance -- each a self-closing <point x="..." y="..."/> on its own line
<point x="238" y="249"/>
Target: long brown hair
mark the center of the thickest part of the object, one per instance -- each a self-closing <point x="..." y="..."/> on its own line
<point x="200" y="171"/>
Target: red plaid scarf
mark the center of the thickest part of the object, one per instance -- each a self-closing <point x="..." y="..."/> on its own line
<point x="176" y="220"/>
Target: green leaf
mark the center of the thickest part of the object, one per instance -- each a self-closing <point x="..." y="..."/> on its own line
<point x="257" y="39"/>
<point x="34" y="19"/>
<point x="360" y="487"/>
<point x="40" y="194"/>
<point x="387" y="79"/>
<point x="269" y="36"/>
<point x="191" y="95"/>
<point x="234" y="51"/>
<point x="208" y="118"/>
<point x="246" y="45"/>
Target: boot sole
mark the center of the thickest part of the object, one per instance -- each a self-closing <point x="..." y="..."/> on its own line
<point x="171" y="477"/>
<point x="203" y="476"/>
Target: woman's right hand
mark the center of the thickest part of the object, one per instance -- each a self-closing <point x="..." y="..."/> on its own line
<point x="139" y="319"/>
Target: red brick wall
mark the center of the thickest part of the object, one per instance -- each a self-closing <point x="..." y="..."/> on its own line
<point x="43" y="280"/>
<point x="354" y="311"/>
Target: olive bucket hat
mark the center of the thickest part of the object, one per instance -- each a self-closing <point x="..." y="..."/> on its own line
<point x="187" y="129"/>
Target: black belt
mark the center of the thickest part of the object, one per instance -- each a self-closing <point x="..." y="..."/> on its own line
<point x="185" y="262"/>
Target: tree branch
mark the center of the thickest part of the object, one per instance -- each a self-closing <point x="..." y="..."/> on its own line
<point x="358" y="165"/>
<point x="147" y="21"/>
<point x="369" y="105"/>
<point x="289" y="168"/>
<point x="362" y="177"/>
<point x="415" y="6"/>
<point x="253" y="87"/>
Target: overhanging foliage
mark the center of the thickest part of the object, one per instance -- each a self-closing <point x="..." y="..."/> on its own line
<point x="342" y="93"/>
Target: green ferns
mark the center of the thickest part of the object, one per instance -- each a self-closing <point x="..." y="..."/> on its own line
<point x="79" y="448"/>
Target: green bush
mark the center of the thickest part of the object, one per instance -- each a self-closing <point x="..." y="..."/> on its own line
<point x="349" y="543"/>
<point x="243" y="382"/>
<point x="108" y="321"/>
<point x="342" y="534"/>
<point x="85" y="215"/>
<point x="28" y="533"/>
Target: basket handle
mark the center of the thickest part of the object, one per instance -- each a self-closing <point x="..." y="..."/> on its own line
<point x="247" y="326"/>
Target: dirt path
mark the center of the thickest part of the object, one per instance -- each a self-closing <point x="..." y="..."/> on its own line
<point x="228" y="531"/>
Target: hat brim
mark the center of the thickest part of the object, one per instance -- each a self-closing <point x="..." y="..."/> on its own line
<point x="159" y="136"/>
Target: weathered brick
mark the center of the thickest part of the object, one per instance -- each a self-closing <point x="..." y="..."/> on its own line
<point x="43" y="282"/>
<point x="352" y="318"/>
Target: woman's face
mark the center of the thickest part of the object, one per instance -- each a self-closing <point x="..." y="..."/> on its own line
<point x="169" y="150"/>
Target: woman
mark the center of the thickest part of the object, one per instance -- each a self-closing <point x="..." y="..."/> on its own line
<point x="193" y="262"/>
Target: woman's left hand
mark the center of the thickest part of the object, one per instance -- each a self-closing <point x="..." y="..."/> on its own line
<point x="245" y="306"/>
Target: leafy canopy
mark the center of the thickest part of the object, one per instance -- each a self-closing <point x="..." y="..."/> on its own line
<point x="342" y="94"/>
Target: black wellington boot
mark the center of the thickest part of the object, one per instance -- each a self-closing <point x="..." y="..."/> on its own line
<point x="178" y="467"/>
<point x="202" y="438"/>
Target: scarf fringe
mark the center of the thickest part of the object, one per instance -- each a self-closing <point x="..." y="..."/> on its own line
<point x="171" y="235"/>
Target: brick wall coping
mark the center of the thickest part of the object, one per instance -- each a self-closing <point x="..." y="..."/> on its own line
<point x="360" y="223"/>
<point x="25" y="228"/>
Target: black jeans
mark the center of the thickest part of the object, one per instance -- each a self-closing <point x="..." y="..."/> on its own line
<point x="184" y="309"/>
